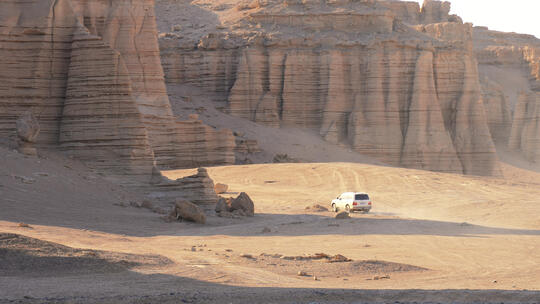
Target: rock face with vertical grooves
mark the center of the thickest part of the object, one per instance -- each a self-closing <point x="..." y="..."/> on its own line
<point x="524" y="135"/>
<point x="386" y="78"/>
<point x="90" y="72"/>
<point x="100" y="122"/>
<point x="509" y="67"/>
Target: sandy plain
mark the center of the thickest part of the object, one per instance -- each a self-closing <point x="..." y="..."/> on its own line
<point x="431" y="237"/>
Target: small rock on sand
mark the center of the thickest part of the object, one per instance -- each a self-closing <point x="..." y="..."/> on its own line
<point x="342" y="215"/>
<point x="147" y="204"/>
<point x="317" y="208"/>
<point x="220" y="188"/>
<point x="24" y="225"/>
<point x="338" y="258"/>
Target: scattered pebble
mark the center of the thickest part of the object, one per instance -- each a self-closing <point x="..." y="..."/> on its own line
<point x="24" y="225"/>
<point x="342" y="215"/>
<point x="301" y="274"/>
<point x="147" y="204"/>
<point x="135" y="204"/>
<point x="25" y="180"/>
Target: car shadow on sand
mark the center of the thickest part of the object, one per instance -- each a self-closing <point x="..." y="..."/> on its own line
<point x="326" y="224"/>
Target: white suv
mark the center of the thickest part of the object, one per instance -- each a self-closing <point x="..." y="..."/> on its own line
<point x="352" y="201"/>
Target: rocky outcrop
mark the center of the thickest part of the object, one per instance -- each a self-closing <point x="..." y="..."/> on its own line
<point x="90" y="72"/>
<point x="243" y="202"/>
<point x="242" y="205"/>
<point x="509" y="66"/>
<point x="404" y="89"/>
<point x="430" y="12"/>
<point x="27" y="132"/>
<point x="100" y="122"/>
<point x="525" y="131"/>
<point x="197" y="188"/>
<point x="498" y="110"/>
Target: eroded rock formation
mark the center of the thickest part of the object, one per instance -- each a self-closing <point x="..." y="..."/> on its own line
<point x="386" y="78"/>
<point x="27" y="132"/>
<point x="90" y="72"/>
<point x="510" y="71"/>
<point x="197" y="188"/>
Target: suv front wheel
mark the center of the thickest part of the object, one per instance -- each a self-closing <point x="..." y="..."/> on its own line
<point x="335" y="208"/>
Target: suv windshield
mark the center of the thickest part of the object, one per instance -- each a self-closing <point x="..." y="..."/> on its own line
<point x="361" y="197"/>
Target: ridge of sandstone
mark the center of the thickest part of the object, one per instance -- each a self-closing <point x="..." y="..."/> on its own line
<point x="408" y="85"/>
<point x="388" y="79"/>
<point x="90" y="72"/>
<point x="509" y="67"/>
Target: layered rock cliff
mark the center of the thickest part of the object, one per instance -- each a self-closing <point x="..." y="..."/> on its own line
<point x="412" y="86"/>
<point x="509" y="66"/>
<point x="386" y="78"/>
<point x="90" y="71"/>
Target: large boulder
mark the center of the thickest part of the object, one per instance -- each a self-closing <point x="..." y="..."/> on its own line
<point x="223" y="205"/>
<point x="27" y="133"/>
<point x="27" y="128"/>
<point x="244" y="203"/>
<point x="190" y="212"/>
<point x="157" y="177"/>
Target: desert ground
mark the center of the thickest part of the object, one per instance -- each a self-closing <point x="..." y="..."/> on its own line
<point x="291" y="102"/>
<point x="67" y="235"/>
